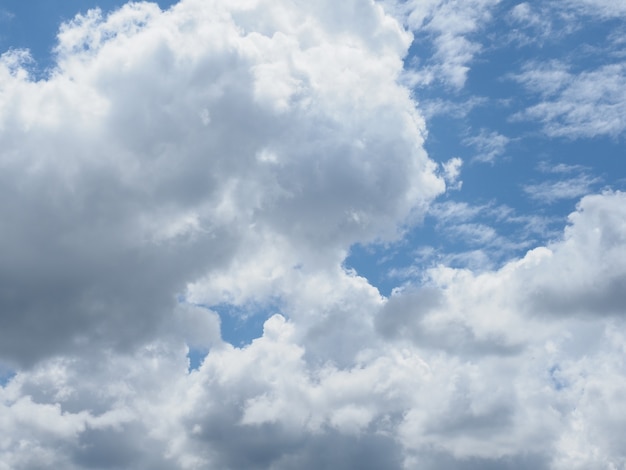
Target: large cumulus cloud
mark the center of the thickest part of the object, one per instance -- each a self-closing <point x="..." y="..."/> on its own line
<point x="167" y="146"/>
<point x="231" y="153"/>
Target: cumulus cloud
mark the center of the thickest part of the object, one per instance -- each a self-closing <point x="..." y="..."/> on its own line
<point x="232" y="153"/>
<point x="165" y="144"/>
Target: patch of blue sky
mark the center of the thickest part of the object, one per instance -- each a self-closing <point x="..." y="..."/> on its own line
<point x="556" y="379"/>
<point x="6" y="375"/>
<point x="195" y="357"/>
<point x="239" y="326"/>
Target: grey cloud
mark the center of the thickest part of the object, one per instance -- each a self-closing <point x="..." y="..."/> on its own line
<point x="117" y="449"/>
<point x="589" y="262"/>
<point x="404" y="311"/>
<point x="404" y="316"/>
<point x="523" y="461"/>
<point x="607" y="297"/>
<point x="331" y="450"/>
<point x="273" y="446"/>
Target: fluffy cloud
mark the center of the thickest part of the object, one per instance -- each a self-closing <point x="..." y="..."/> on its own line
<point x="232" y="153"/>
<point x="166" y="145"/>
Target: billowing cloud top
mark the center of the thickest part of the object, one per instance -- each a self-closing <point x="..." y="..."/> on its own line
<point x="231" y="153"/>
<point x="168" y="146"/>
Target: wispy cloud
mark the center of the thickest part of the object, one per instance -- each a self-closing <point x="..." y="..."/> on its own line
<point x="528" y="26"/>
<point x="490" y="233"/>
<point x="450" y="25"/>
<point x="560" y="168"/>
<point x="597" y="8"/>
<point x="550" y="192"/>
<point x="6" y="15"/>
<point x="587" y="104"/>
<point x="488" y="144"/>
<point x="456" y="109"/>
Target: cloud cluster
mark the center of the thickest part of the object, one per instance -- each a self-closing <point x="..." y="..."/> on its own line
<point x="232" y="152"/>
<point x="170" y="146"/>
<point x="515" y="368"/>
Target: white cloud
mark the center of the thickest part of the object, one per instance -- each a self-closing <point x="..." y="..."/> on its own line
<point x="134" y="169"/>
<point x="560" y="168"/>
<point x="553" y="191"/>
<point x="601" y="8"/>
<point x="489" y="145"/>
<point x="543" y="21"/>
<point x="459" y="110"/>
<point x="452" y="171"/>
<point x="450" y="25"/>
<point x="538" y="23"/>
<point x="484" y="236"/>
<point x="469" y="370"/>
<point x="159" y="168"/>
<point x="587" y="104"/>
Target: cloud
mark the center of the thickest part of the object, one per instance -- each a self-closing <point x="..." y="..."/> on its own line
<point x="560" y="168"/>
<point x="490" y="145"/>
<point x="602" y="8"/>
<point x="450" y="26"/>
<point x="451" y="173"/>
<point x="232" y="153"/>
<point x="550" y="192"/>
<point x="165" y="145"/>
<point x="472" y="370"/>
<point x="459" y="110"/>
<point x="540" y="23"/>
<point x="478" y="237"/>
<point x="576" y="105"/>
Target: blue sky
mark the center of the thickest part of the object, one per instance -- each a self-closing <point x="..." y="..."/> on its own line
<point x="236" y="233"/>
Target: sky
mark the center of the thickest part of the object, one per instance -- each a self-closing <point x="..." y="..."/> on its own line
<point x="275" y="234"/>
